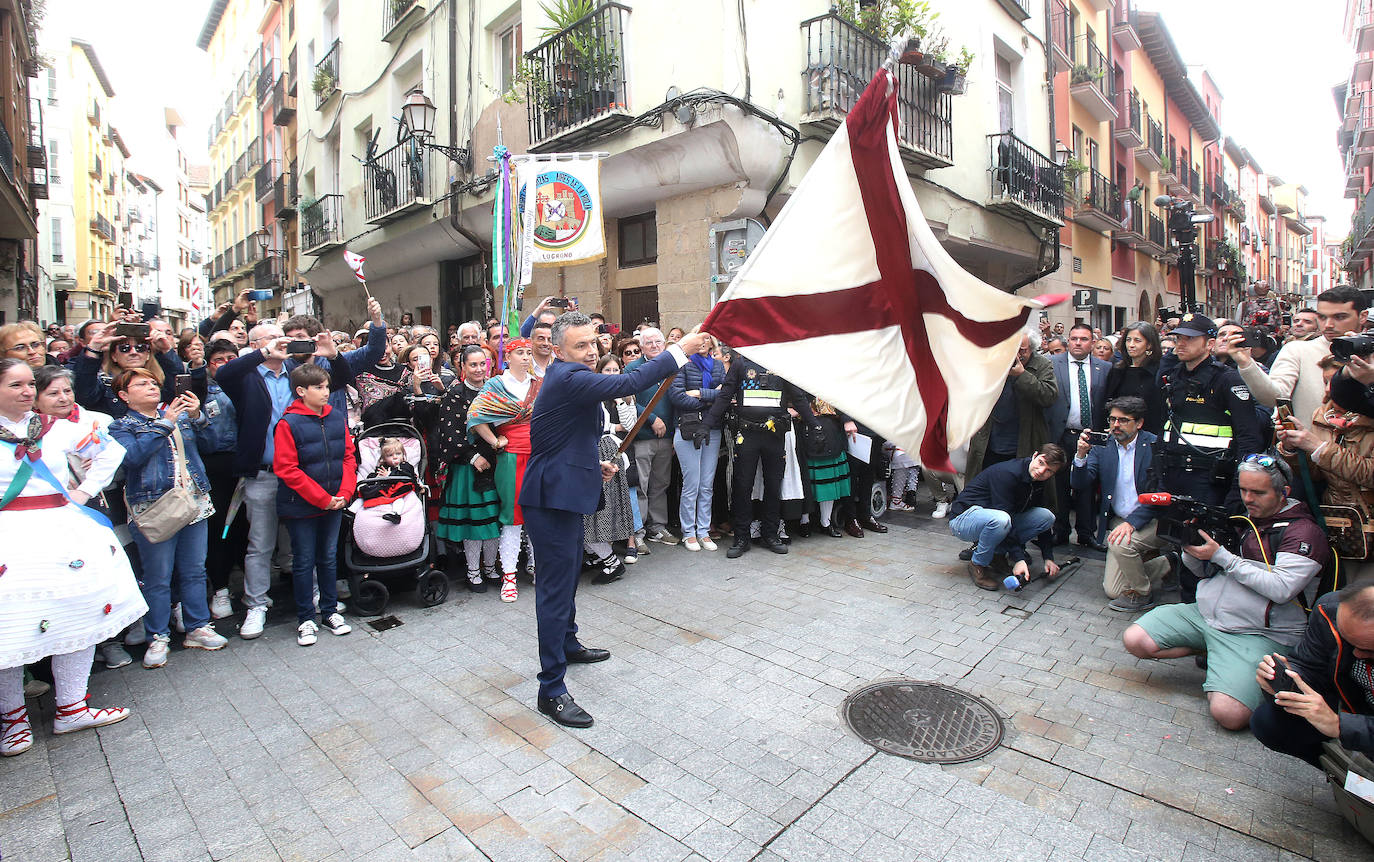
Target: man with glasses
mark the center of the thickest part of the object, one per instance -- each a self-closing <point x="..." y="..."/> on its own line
<point x="653" y="447"/>
<point x="1121" y="469"/>
<point x="1249" y="605"/>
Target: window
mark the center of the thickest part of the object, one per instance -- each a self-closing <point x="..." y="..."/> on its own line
<point x="1092" y="154"/>
<point x="1006" y="95"/>
<point x="52" y="86"/>
<point x="56" y="234"/>
<point x="638" y="240"/>
<point x="507" y="53"/>
<point x="1078" y="143"/>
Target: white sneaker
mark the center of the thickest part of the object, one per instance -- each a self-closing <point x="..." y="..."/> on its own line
<point x="707" y="543"/>
<point x="156" y="656"/>
<point x="253" y="622"/>
<point x="204" y="638"/>
<point x="305" y="633"/>
<point x="336" y="625"/>
<point x="136" y="635"/>
<point x="691" y="543"/>
<point x="941" y="510"/>
<point x="177" y="622"/>
<point x="114" y="655"/>
<point x="220" y="605"/>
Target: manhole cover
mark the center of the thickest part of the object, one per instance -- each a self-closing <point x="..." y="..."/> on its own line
<point x="923" y="721"/>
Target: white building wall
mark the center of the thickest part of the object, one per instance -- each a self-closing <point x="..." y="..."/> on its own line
<point x="57" y="232"/>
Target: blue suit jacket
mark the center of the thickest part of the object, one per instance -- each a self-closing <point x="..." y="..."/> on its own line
<point x="1101" y="468"/>
<point x="1057" y="414"/>
<point x="564" y="471"/>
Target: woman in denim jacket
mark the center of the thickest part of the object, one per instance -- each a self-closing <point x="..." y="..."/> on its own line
<point x="150" y="464"/>
<point x="693" y="391"/>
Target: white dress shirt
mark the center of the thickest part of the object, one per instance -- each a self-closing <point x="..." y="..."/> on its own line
<point x="1076" y="410"/>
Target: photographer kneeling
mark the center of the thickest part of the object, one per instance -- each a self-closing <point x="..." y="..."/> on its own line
<point x="1121" y="466"/>
<point x="1246" y="605"/>
<point x="1327" y="694"/>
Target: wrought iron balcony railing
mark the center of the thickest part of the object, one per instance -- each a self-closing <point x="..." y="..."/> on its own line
<point x="322" y="223"/>
<point x="578" y="74"/>
<point x="1023" y="175"/>
<point x="405" y="176"/>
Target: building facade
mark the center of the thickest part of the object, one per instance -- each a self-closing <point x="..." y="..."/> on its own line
<point x="1355" y="106"/>
<point x="23" y="180"/>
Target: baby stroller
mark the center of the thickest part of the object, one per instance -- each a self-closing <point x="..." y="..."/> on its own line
<point x="378" y="550"/>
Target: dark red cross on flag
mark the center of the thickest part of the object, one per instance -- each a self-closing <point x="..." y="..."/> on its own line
<point x="903" y="295"/>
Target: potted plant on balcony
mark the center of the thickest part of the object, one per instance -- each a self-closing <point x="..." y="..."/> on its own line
<point x="1084" y="74"/>
<point x="399" y="8"/>
<point x="1165" y="165"/>
<point x="935" y="61"/>
<point x="1072" y="170"/>
<point x="323" y="83"/>
<point x="956" y="74"/>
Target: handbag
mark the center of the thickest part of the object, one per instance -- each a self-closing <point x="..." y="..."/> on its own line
<point x="173" y="510"/>
<point x="1348" y="532"/>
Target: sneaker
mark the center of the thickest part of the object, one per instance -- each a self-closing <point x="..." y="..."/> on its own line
<point x="220" y="605"/>
<point x="336" y="624"/>
<point x="642" y="546"/>
<point x="204" y="638"/>
<point x="16" y="734"/>
<point x="136" y="635"/>
<point x="611" y="570"/>
<point x="253" y="621"/>
<point x="509" y="591"/>
<point x="941" y="510"/>
<point x="631" y="555"/>
<point x="660" y="535"/>
<point x="78" y="716"/>
<point x="1132" y="602"/>
<point x="896" y="505"/>
<point x="705" y="543"/>
<point x="114" y="655"/>
<point x="691" y="543"/>
<point x="156" y="656"/>
<point x="177" y="622"/>
<point x="305" y="633"/>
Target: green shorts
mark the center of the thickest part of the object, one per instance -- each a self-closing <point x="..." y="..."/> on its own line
<point x="1231" y="658"/>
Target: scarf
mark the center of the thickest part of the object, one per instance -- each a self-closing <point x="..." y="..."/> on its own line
<point x="31" y="443"/>
<point x="497" y="405"/>
<point x="705" y="363"/>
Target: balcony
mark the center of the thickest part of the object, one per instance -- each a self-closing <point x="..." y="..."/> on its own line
<point x="266" y="78"/>
<point x="1157" y="240"/>
<point x="269" y="273"/>
<point x="325" y="82"/>
<point x="196" y="256"/>
<point x="1195" y="186"/>
<point x="1124" y="34"/>
<point x="1090" y="80"/>
<point x="1364" y="122"/>
<point x="1024" y="181"/>
<point x="840" y="59"/>
<point x="93" y="113"/>
<point x="1131" y="229"/>
<point x="401" y="179"/>
<point x="1362" y="29"/>
<point x="398" y="16"/>
<point x="1017" y="9"/>
<point x="1127" y="130"/>
<point x="102" y="226"/>
<point x="246" y="254"/>
<point x="284" y="193"/>
<point x="38" y="150"/>
<point x="321" y="224"/>
<point x="1099" y="203"/>
<point x="1169" y="172"/>
<point x="262" y="182"/>
<point x="283" y="101"/>
<point x="95" y="168"/>
<point x="1150" y="153"/>
<point x="1061" y="35"/>
<point x="248" y="162"/>
<point x="578" y="86"/>
<point x="291" y="73"/>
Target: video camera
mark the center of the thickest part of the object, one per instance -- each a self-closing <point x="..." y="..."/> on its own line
<point x="1184" y="516"/>
<point x="1347" y="346"/>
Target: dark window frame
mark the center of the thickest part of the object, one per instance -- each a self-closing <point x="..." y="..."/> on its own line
<point x="647" y="224"/>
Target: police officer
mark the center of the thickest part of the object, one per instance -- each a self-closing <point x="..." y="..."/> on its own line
<point x="1210" y="422"/>
<point x="757" y="399"/>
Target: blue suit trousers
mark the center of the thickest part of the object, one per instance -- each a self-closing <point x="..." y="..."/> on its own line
<point x="557" y="538"/>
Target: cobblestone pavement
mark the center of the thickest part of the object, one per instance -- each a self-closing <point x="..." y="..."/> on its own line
<point x="717" y="732"/>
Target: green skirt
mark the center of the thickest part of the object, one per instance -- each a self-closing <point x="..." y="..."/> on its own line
<point x="467" y="513"/>
<point x="830" y="476"/>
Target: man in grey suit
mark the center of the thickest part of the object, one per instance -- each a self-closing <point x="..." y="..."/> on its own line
<point x="1082" y="380"/>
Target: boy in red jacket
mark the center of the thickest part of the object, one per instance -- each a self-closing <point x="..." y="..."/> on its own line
<point x="316" y="475"/>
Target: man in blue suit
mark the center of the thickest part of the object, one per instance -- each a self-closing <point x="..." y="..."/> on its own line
<point x="1121" y="468"/>
<point x="563" y="483"/>
<point x="1082" y="380"/>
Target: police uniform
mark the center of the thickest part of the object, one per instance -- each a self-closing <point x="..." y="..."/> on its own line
<point x="757" y="400"/>
<point x="1210" y="426"/>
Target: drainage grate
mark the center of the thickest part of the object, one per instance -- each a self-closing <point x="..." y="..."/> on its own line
<point x="923" y="721"/>
<point x="381" y="624"/>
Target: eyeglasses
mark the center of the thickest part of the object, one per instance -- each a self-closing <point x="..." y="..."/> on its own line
<point x="31" y="347"/>
<point x="631" y="352"/>
<point x="1268" y="462"/>
<point x="132" y="347"/>
<point x="1119" y="420"/>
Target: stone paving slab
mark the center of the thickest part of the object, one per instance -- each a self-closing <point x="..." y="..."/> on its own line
<point x="718" y="735"/>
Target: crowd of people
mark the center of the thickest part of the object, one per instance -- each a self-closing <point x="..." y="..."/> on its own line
<point x="1229" y="461"/>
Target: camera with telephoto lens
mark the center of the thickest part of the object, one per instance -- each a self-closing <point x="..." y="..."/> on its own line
<point x="1352" y="345"/>
<point x="1185" y="516"/>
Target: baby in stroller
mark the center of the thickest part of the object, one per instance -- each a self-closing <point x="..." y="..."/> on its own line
<point x="391" y="464"/>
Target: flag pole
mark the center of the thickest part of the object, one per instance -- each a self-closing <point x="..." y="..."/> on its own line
<point x="645" y="414"/>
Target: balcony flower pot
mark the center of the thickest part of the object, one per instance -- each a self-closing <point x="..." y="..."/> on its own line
<point x="931" y="67"/>
<point x="911" y="54"/>
<point x="954" y="81"/>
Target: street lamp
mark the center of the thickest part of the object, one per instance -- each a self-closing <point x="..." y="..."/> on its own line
<point x="417" y="114"/>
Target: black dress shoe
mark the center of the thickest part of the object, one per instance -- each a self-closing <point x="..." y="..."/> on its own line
<point x="967" y="553"/>
<point x="609" y="572"/>
<point x="803" y="531"/>
<point x="587" y="655"/>
<point x="564" y="710"/>
<point x="852" y="528"/>
<point x="737" y="549"/>
<point x="775" y="545"/>
<point x="871" y="523"/>
<point x="392" y="517"/>
<point x="479" y="587"/>
<point x="1093" y="544"/>
<point x="833" y="531"/>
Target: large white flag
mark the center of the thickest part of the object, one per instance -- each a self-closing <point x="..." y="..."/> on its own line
<point x="850" y="296"/>
<point x="564" y="224"/>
